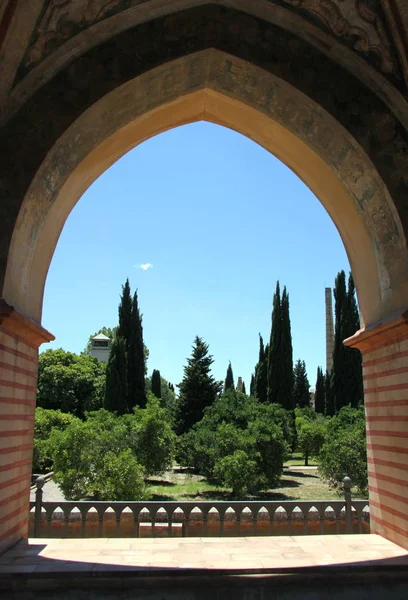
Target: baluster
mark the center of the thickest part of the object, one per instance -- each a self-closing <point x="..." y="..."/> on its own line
<point x="238" y="514"/>
<point x="136" y="529"/>
<point x="153" y="521"/>
<point x="271" y="528"/>
<point x="49" y="514"/>
<point x="347" y="483"/>
<point x="305" y="517"/>
<point x="101" y="513"/>
<point x="289" y="520"/>
<point x="118" y="514"/>
<point x="84" y="514"/>
<point x="186" y="528"/>
<point x="205" y="524"/>
<point x="38" y="505"/>
<point x="321" y="519"/>
<point x="254" y="514"/>
<point x="66" y="523"/>
<point x="169" y="515"/>
<point x="221" y="514"/>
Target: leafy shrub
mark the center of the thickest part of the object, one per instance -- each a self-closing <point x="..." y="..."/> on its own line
<point x="237" y="423"/>
<point x="238" y="472"/>
<point x="45" y="422"/>
<point x="345" y="451"/>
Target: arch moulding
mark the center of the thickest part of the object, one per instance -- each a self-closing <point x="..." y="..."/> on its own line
<point x="215" y="86"/>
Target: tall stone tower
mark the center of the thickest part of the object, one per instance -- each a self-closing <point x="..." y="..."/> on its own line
<point x="329" y="329"/>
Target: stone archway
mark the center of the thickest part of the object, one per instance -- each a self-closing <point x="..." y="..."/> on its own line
<point x="218" y="78"/>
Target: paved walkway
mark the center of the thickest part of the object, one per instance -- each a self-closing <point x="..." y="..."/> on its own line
<point x="213" y="555"/>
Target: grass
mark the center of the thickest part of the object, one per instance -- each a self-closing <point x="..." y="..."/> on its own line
<point x="294" y="485"/>
<point x="297" y="460"/>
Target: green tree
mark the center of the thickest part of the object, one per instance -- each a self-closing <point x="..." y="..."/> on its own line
<point x="198" y="389"/>
<point x="94" y="459"/>
<point x="252" y="386"/>
<point x="301" y="386"/>
<point x="125" y="314"/>
<point x="261" y="373"/>
<point x="155" y="440"/>
<point x="320" y="392"/>
<point x="329" y="396"/>
<point x="116" y="378"/>
<point x="346" y="376"/>
<point x="229" y="379"/>
<point x="285" y="395"/>
<point x="243" y="388"/>
<point x="45" y="422"/>
<point x="235" y="422"/>
<point x="168" y="398"/>
<point x="70" y="382"/>
<point x="136" y="359"/>
<point x="156" y="383"/>
<point x="275" y="346"/>
<point x="238" y="472"/>
<point x="345" y="451"/>
<point x="311" y="435"/>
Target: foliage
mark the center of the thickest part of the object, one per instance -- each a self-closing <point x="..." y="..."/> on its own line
<point x="346" y="376"/>
<point x="243" y="388"/>
<point x="229" y="379"/>
<point x="238" y="472"/>
<point x="252" y="388"/>
<point x="280" y="355"/>
<point x="107" y="456"/>
<point x="167" y="398"/>
<point x="311" y="435"/>
<point x="136" y="359"/>
<point x="116" y="378"/>
<point x="155" y="439"/>
<point x="301" y="385"/>
<point x="198" y="388"/>
<point x="261" y="373"/>
<point x="45" y="422"/>
<point x="156" y="383"/>
<point x="236" y="422"/>
<point x="345" y="451"/>
<point x="275" y="347"/>
<point x="320" y="395"/>
<point x="70" y="382"/>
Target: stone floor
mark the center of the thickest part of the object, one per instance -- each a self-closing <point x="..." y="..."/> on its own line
<point x="220" y="555"/>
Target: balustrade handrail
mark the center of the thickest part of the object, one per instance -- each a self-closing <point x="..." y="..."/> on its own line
<point x="341" y="508"/>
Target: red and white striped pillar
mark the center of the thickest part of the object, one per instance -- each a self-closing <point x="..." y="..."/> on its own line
<point x="385" y="370"/>
<point x="20" y="338"/>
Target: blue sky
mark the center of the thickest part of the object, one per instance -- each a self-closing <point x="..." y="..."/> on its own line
<point x="220" y="219"/>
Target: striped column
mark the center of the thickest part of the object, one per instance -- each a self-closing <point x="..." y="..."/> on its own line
<point x="19" y="341"/>
<point x="385" y="371"/>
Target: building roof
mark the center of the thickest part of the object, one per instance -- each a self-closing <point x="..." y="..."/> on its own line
<point x="101" y="337"/>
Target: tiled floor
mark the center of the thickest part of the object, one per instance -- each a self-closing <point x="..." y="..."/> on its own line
<point x="213" y="554"/>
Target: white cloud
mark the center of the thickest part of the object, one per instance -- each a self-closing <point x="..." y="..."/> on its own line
<point x="146" y="266"/>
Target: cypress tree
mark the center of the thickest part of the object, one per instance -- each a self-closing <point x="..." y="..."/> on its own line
<point x="329" y="396"/>
<point x="243" y="388"/>
<point x="320" y="392"/>
<point x="285" y="391"/>
<point x="229" y="379"/>
<point x="274" y="354"/>
<point x="136" y="359"/>
<point x="301" y="386"/>
<point x="171" y="387"/>
<point x="116" y="378"/>
<point x="261" y="374"/>
<point x="198" y="388"/>
<point x="252" y="390"/>
<point x="156" y="383"/>
<point x="125" y="314"/>
<point x="354" y="358"/>
<point x="346" y="379"/>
